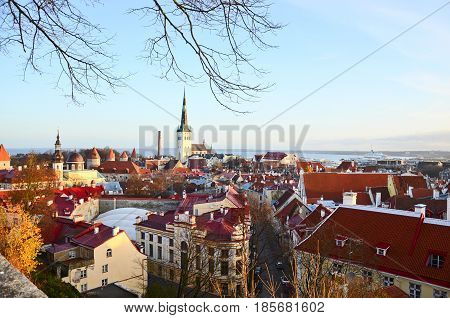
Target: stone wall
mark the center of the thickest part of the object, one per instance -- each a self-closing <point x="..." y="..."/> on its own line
<point x="157" y="205"/>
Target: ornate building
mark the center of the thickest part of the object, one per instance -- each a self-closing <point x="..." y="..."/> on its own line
<point x="184" y="135"/>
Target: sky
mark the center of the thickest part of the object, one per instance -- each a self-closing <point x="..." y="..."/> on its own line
<point x="397" y="99"/>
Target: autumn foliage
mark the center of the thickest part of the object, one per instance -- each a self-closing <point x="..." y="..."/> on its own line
<point x="20" y="239"/>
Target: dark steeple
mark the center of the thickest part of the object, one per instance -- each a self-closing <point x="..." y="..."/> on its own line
<point x="57" y="155"/>
<point x="184" y="121"/>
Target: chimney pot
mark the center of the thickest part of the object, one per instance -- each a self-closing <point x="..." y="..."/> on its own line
<point x="115" y="230"/>
<point x="420" y="208"/>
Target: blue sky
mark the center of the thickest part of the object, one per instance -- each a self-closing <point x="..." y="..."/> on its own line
<point x="396" y="100"/>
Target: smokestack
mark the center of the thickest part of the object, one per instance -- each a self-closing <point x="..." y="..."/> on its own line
<point x="349" y="198"/>
<point x="159" y="144"/>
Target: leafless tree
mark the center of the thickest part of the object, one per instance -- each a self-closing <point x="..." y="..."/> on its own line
<point x="57" y="30"/>
<point x="218" y="34"/>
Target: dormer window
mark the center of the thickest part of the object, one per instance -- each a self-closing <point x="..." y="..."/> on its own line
<point x="382" y="249"/>
<point x="340" y="240"/>
<point x="435" y="260"/>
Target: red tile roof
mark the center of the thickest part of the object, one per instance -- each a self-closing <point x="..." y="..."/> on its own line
<point x="4" y="155"/>
<point x="111" y="155"/>
<point x="274" y="156"/>
<point x="347" y="165"/>
<point x="402" y="183"/>
<point x="310" y="166"/>
<point x="411" y="238"/>
<point x="420" y="193"/>
<point x="64" y="205"/>
<point x="120" y="167"/>
<point x="89" y="238"/>
<point x="332" y="185"/>
<point x="55" y="230"/>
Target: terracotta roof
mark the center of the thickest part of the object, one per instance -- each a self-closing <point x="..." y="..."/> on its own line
<point x="332" y="185"/>
<point x="55" y="230"/>
<point x="220" y="228"/>
<point x="315" y="217"/>
<point x="274" y="156"/>
<point x="402" y="183"/>
<point x="4" y="155"/>
<point x="310" y="166"/>
<point x="347" y="165"/>
<point x="283" y="199"/>
<point x="198" y="147"/>
<point x="134" y="154"/>
<point x="120" y="167"/>
<point x="420" y="193"/>
<point x="91" y="239"/>
<point x="93" y="154"/>
<point x="111" y="155"/>
<point x="434" y="208"/>
<point x="411" y="237"/>
<point x="65" y="206"/>
<point x="124" y="155"/>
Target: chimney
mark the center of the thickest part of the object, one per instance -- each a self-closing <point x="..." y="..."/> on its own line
<point x="115" y="230"/>
<point x="436" y="194"/>
<point x="225" y="211"/>
<point x="19" y="168"/>
<point x="138" y="219"/>
<point x="448" y="207"/>
<point x="211" y="216"/>
<point x="410" y="191"/>
<point x="322" y="213"/>
<point x="184" y="194"/>
<point x="96" y="229"/>
<point x="420" y="208"/>
<point x="349" y="198"/>
<point x="378" y="199"/>
<point x="159" y="144"/>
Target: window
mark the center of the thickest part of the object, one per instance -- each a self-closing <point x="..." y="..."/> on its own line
<point x="83" y="288"/>
<point x="159" y="252"/>
<point x="159" y="239"/>
<point x="211" y="251"/>
<point x="109" y="252"/>
<point x="414" y="290"/>
<point x="171" y="274"/>
<point x="105" y="268"/>
<point x="170" y="242"/>
<point x="171" y="256"/>
<point x="388" y="281"/>
<point x="224" y="253"/>
<point x="150" y="237"/>
<point x="224" y="268"/>
<point x="367" y="274"/>
<point x="198" y="262"/>
<point x="436" y="261"/>
<point x="336" y="268"/>
<point x="211" y="266"/>
<point x="224" y="289"/>
<point x="159" y="270"/>
<point x="104" y="282"/>
<point x="83" y="273"/>
<point x="143" y="236"/>
<point x="340" y="240"/>
<point x="239" y="252"/>
<point x="150" y="250"/>
<point x="439" y="293"/>
<point x="381" y="251"/>
<point x="72" y="254"/>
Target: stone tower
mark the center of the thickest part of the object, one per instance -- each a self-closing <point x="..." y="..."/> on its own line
<point x="184" y="135"/>
<point x="58" y="159"/>
<point x="93" y="159"/>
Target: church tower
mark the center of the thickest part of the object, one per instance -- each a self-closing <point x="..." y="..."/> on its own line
<point x="58" y="159"/>
<point x="184" y="135"/>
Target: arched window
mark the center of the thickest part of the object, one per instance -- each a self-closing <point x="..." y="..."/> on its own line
<point x="109" y="252"/>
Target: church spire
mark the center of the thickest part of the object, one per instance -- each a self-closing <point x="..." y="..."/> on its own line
<point x="184" y="119"/>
